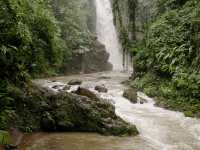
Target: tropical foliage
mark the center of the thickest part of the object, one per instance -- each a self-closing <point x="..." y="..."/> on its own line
<point x="4" y="137"/>
<point x="37" y="38"/>
<point x="169" y="61"/>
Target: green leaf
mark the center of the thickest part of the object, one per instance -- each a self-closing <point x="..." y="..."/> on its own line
<point x="4" y="137"/>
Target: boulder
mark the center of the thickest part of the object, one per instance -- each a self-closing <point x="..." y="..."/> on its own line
<point x="101" y="89"/>
<point x="82" y="111"/>
<point x="131" y="94"/>
<point x="11" y="147"/>
<point x="57" y="87"/>
<point x="142" y="101"/>
<point x="75" y="82"/>
<point x="104" y="77"/>
<point x="85" y="92"/>
<point x="66" y="87"/>
<point x="126" y="82"/>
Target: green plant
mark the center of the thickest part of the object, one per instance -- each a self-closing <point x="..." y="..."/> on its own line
<point x="4" y="137"/>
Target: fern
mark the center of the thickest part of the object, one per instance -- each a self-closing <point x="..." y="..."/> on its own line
<point x="4" y="137"/>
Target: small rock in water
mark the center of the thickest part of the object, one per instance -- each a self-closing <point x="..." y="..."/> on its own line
<point x="104" y="77"/>
<point x="57" y="86"/>
<point x="87" y="93"/>
<point x="75" y="82"/>
<point x="66" y="87"/>
<point x="142" y="101"/>
<point x="131" y="94"/>
<point x="101" y="89"/>
<point x="126" y="82"/>
<point x="11" y="147"/>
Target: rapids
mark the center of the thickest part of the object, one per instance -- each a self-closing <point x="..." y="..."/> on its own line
<point x="160" y="129"/>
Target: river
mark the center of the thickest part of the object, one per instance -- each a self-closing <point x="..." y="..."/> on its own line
<point x="160" y="129"/>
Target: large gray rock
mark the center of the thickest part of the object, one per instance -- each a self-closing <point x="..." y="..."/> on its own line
<point x="63" y="111"/>
<point x="131" y="94"/>
<point x="101" y="89"/>
<point x="85" y="92"/>
<point x="90" y="60"/>
<point x="75" y="82"/>
<point x="81" y="113"/>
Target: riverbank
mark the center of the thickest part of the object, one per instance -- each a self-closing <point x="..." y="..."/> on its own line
<point x="159" y="128"/>
<point x="166" y="95"/>
<point x="78" y="141"/>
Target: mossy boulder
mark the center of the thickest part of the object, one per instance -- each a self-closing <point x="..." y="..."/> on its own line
<point x="85" y="92"/>
<point x="39" y="110"/>
<point x="131" y="94"/>
<point x="101" y="89"/>
<point x="75" y="82"/>
<point x="81" y="113"/>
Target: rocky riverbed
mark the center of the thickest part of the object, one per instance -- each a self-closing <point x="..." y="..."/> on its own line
<point x="160" y="129"/>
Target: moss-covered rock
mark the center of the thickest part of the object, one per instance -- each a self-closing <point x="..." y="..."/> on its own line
<point x="131" y="94"/>
<point x="39" y="110"/>
<point x="75" y="82"/>
<point x="101" y="89"/>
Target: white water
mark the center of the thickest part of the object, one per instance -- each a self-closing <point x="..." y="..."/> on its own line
<point x="160" y="129"/>
<point x="107" y="34"/>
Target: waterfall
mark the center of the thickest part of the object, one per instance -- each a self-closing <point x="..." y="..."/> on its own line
<point x="107" y="34"/>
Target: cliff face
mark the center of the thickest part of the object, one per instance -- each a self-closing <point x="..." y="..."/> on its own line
<point x="94" y="59"/>
<point x="131" y="18"/>
<point x="78" y="23"/>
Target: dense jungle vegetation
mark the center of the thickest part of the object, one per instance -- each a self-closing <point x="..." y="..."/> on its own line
<point x="37" y="38"/>
<point x="167" y="59"/>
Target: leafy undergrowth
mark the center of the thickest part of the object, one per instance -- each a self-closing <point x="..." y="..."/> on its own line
<point x="167" y="62"/>
<point x="4" y="137"/>
<point x="167" y="94"/>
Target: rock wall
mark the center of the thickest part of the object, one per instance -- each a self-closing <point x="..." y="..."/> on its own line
<point x="94" y="59"/>
<point x="91" y="56"/>
<point x="131" y="17"/>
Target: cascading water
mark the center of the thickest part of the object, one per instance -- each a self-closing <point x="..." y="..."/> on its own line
<point x="160" y="129"/>
<point x="107" y="34"/>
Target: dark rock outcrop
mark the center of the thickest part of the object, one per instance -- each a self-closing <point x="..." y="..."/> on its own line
<point x="85" y="92"/>
<point x="101" y="89"/>
<point x="90" y="60"/>
<point x="81" y="111"/>
<point x="104" y="77"/>
<point x="75" y="82"/>
<point x="131" y="94"/>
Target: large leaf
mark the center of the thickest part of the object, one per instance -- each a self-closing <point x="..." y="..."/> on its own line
<point x="4" y="137"/>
